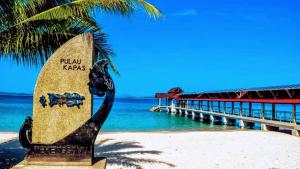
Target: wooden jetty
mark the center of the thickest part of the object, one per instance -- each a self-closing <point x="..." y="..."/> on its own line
<point x="243" y="107"/>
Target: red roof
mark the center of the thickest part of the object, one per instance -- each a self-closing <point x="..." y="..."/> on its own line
<point x="278" y="94"/>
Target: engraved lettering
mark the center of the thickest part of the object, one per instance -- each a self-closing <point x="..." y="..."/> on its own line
<point x="72" y="64"/>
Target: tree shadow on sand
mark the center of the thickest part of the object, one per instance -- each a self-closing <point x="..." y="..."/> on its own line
<point x="118" y="153"/>
<point x="11" y="153"/>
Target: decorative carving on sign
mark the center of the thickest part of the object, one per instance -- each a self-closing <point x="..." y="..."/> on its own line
<point x="43" y="101"/>
<point x="79" y="144"/>
<point x="59" y="149"/>
<point x="69" y="99"/>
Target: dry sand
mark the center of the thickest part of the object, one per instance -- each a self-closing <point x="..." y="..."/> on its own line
<point x="187" y="150"/>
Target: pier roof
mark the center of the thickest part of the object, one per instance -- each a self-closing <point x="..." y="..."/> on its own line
<point x="272" y="94"/>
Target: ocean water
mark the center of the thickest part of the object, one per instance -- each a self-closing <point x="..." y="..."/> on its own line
<point x="128" y="114"/>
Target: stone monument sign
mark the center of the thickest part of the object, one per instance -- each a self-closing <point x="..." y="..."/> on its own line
<point x="62" y="101"/>
<point x="63" y="130"/>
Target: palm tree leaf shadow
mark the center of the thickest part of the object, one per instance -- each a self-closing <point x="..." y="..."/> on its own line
<point x="11" y="153"/>
<point x="118" y="153"/>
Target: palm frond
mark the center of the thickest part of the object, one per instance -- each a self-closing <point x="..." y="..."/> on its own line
<point x="31" y="30"/>
<point x="82" y="8"/>
<point x="150" y="9"/>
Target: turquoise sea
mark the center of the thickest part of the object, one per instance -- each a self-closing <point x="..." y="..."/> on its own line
<point x="128" y="114"/>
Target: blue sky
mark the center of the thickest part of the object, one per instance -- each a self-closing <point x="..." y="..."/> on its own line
<point x="199" y="45"/>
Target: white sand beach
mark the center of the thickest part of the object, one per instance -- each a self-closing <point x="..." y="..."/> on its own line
<point x="187" y="150"/>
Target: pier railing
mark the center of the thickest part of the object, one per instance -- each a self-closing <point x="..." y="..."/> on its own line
<point x="282" y="118"/>
<point x="255" y="105"/>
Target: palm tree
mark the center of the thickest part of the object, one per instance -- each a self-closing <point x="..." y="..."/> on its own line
<point x="30" y="30"/>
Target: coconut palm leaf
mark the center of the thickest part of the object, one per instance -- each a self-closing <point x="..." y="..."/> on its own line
<point x="30" y="30"/>
<point x="47" y="36"/>
<point x="82" y="8"/>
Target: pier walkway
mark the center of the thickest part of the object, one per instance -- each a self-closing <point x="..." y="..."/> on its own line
<point x="271" y="108"/>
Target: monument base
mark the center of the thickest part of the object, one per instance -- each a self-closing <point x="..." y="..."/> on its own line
<point x="98" y="163"/>
<point x="58" y="161"/>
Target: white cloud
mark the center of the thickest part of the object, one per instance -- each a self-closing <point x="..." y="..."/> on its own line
<point x="188" y="12"/>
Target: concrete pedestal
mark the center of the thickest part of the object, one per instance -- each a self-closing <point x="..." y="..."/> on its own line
<point x="224" y="120"/>
<point x="193" y="115"/>
<point x="263" y="127"/>
<point x="295" y="133"/>
<point x="241" y="124"/>
<point x="200" y="116"/>
<point x="211" y="118"/>
<point x="173" y="110"/>
<point x="99" y="163"/>
<point x="180" y="112"/>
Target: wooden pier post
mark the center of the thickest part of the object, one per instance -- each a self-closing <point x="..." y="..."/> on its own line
<point x="232" y="107"/>
<point x="263" y="126"/>
<point x="241" y="109"/>
<point x="169" y="104"/>
<point x="207" y="106"/>
<point x="273" y="111"/>
<point x="224" y="120"/>
<point x="241" y="122"/>
<point x="200" y="116"/>
<point x="263" y="111"/>
<point x="294" y="113"/>
<point x="295" y="132"/>
<point x="180" y="107"/>
<point x="211" y="118"/>
<point x="187" y="104"/>
<point x="186" y="107"/>
<point x="250" y="110"/>
<point x="192" y="105"/>
<point x="173" y="109"/>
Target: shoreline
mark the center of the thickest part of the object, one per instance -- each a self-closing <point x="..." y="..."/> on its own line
<point x="164" y="131"/>
<point x="220" y="128"/>
<point x="174" y="131"/>
<point x="11" y="136"/>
